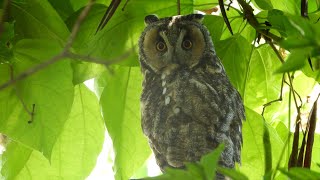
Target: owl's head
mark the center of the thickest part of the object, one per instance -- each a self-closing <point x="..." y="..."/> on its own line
<point x="174" y="41"/>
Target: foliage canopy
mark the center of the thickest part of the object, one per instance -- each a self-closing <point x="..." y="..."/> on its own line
<point x="54" y="125"/>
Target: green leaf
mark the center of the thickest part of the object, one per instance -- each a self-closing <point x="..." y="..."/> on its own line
<point x="264" y="4"/>
<point x="121" y="111"/>
<point x="210" y="161"/>
<point x="6" y="38"/>
<point x="239" y="26"/>
<point x="37" y="19"/>
<point x="288" y="6"/>
<point x="83" y="71"/>
<point x="64" y="8"/>
<point x="50" y="90"/>
<point x="76" y="150"/>
<point x="215" y="26"/>
<point x="261" y="84"/>
<point x="252" y="154"/>
<point x="235" y="63"/>
<point x="14" y="159"/>
<point x="232" y="173"/>
<point x="296" y="60"/>
<point x="301" y="173"/>
<point x="21" y="163"/>
<point x="313" y="73"/>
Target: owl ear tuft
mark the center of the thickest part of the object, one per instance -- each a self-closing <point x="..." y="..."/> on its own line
<point x="195" y="17"/>
<point x="150" y="19"/>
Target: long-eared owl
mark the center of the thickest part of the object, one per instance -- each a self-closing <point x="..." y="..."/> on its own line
<point x="188" y="104"/>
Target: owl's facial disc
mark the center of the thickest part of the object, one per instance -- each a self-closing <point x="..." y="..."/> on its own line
<point x="173" y="43"/>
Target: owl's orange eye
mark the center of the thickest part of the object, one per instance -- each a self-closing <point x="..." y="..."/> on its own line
<point x="187" y="44"/>
<point x="161" y="46"/>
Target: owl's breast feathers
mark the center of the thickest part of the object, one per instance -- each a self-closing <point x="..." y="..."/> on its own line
<point x="187" y="114"/>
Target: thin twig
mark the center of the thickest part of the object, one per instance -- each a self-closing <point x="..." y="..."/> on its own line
<point x="276" y="100"/>
<point x="105" y="62"/>
<point x="300" y="99"/>
<point x="76" y="26"/>
<point x="56" y="58"/>
<point x="125" y="5"/>
<point x="31" y="113"/>
<point x="289" y="77"/>
<point x="31" y="71"/>
<point x="178" y="7"/>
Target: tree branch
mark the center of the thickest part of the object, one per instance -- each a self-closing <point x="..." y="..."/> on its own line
<point x="178" y="7"/>
<point x="65" y="53"/>
<point x="248" y="14"/>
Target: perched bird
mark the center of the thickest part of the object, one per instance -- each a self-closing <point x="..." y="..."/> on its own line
<point x="188" y="104"/>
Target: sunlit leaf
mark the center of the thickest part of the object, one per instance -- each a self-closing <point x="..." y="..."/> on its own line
<point x="296" y="60"/>
<point x="261" y="84"/>
<point x="301" y="173"/>
<point x="22" y="163"/>
<point x="50" y="90"/>
<point x="264" y="4"/>
<point x="253" y="152"/>
<point x="76" y="151"/>
<point x="121" y="111"/>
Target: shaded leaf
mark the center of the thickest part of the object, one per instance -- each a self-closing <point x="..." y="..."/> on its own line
<point x="235" y="63"/>
<point x="37" y="19"/>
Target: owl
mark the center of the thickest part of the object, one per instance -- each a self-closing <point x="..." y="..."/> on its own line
<point x="188" y="104"/>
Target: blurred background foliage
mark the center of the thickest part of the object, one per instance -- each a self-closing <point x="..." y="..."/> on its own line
<point x="53" y="125"/>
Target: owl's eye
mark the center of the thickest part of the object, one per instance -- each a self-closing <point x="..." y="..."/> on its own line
<point x="161" y="46"/>
<point x="187" y="44"/>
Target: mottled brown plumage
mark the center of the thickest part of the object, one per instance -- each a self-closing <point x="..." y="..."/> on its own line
<point x="188" y="104"/>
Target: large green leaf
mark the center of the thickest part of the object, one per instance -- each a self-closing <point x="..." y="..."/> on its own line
<point x="234" y="53"/>
<point x="22" y="163"/>
<point x="76" y="151"/>
<point x="215" y="26"/>
<point x="288" y="6"/>
<point x="37" y="19"/>
<point x="262" y="85"/>
<point x="252" y="154"/>
<point x="121" y="111"/>
<point x="50" y="90"/>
